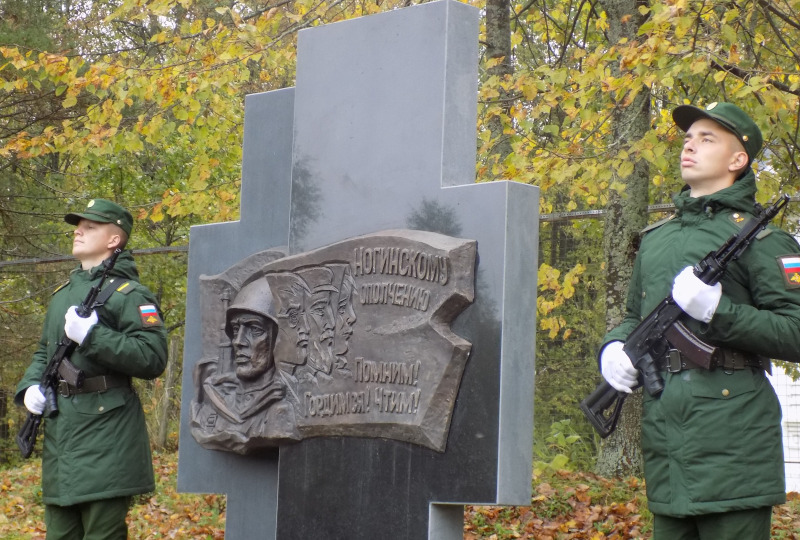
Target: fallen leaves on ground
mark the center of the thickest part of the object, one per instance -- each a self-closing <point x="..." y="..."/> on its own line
<point x="21" y="512"/>
<point x="566" y="506"/>
<point x="571" y="506"/>
<point x="163" y="514"/>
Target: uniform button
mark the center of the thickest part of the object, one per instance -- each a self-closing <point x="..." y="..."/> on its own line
<point x="644" y="294"/>
<point x="726" y="392"/>
<point x="101" y="409"/>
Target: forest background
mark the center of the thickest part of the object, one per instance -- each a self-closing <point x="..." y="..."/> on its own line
<point x="141" y="102"/>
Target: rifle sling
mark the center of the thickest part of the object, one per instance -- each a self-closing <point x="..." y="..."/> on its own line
<point x="107" y="291"/>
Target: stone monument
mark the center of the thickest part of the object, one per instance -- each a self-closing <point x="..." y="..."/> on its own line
<point x="359" y="349"/>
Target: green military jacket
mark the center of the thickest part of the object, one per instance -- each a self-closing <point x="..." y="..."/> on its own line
<point x="97" y="447"/>
<point x="712" y="442"/>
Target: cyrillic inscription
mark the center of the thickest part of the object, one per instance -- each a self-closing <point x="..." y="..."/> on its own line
<point x="400" y="262"/>
<point x="387" y="372"/>
<point x="398" y="294"/>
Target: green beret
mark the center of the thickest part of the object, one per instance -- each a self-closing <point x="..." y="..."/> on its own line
<point x="728" y="116"/>
<point x="103" y="211"/>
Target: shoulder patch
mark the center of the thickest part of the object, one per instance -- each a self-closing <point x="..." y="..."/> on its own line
<point x="150" y="316"/>
<point x="790" y="268"/>
<point x="657" y="224"/>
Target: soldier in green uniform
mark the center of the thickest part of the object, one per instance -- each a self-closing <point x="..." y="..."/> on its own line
<point x="96" y="450"/>
<point x="712" y="441"/>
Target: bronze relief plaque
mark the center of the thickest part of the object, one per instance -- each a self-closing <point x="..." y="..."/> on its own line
<point x="351" y="339"/>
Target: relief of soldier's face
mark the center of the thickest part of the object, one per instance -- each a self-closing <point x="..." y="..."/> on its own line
<point x="252" y="345"/>
<point x="297" y="320"/>
<point x="345" y="315"/>
<point x="291" y="345"/>
<point x="321" y="325"/>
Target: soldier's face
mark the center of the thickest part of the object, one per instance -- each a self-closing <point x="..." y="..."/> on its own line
<point x="252" y="345"/>
<point x="710" y="153"/>
<point x="92" y="241"/>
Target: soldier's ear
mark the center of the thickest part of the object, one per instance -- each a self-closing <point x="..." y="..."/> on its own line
<point x="739" y="161"/>
<point x="115" y="241"/>
<point x="118" y="238"/>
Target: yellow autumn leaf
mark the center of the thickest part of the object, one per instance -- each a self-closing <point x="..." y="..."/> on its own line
<point x="70" y="101"/>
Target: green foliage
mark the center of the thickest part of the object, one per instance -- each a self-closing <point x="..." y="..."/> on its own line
<point x="562" y="449"/>
<point x="17" y="25"/>
<point x="566" y="349"/>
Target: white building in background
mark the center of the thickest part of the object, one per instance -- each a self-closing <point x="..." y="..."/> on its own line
<point x="789" y="396"/>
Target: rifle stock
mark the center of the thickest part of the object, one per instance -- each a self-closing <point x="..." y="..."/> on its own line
<point x="59" y="362"/>
<point x="602" y="408"/>
<point x="649" y="342"/>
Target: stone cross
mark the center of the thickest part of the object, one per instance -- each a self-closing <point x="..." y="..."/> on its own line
<point x="378" y="134"/>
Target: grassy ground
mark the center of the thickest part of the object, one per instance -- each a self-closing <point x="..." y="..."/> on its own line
<point x="565" y="505"/>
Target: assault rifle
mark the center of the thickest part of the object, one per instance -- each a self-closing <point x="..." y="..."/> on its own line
<point x="661" y="331"/>
<point x="60" y="368"/>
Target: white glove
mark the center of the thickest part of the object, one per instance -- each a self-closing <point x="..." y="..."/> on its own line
<point x="617" y="368"/>
<point x="697" y="299"/>
<point x="76" y="327"/>
<point x="34" y="400"/>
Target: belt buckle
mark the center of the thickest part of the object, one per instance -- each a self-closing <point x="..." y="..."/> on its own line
<point x="64" y="388"/>
<point x="674" y="364"/>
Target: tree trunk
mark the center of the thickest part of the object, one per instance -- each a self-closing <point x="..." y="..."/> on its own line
<point x="498" y="46"/>
<point x="166" y="402"/>
<point x="626" y="215"/>
<point x="5" y="434"/>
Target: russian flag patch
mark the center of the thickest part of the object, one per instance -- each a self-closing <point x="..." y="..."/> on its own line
<point x="149" y="315"/>
<point x="790" y="267"/>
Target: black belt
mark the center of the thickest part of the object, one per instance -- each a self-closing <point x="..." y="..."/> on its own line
<point x="94" y="384"/>
<point x="727" y="359"/>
